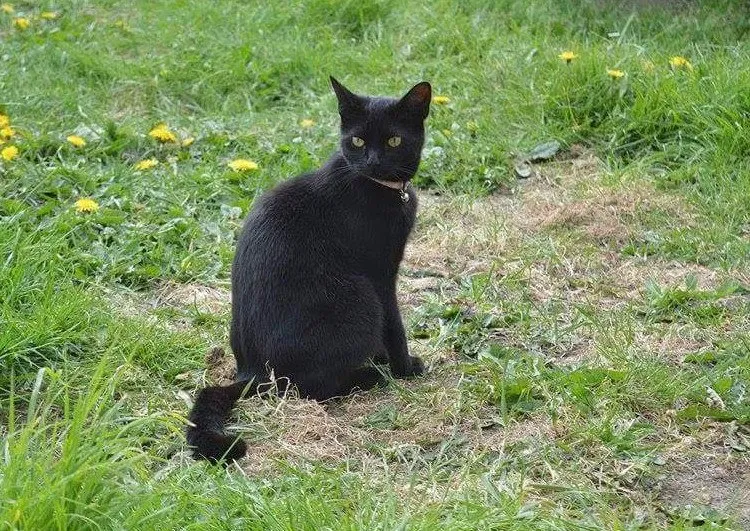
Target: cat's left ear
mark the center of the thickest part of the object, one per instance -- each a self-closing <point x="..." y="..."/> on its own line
<point x="417" y="100"/>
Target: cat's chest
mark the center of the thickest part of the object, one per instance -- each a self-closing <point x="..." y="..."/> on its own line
<point x="381" y="233"/>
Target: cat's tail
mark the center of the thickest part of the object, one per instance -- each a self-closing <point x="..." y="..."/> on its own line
<point x="206" y="430"/>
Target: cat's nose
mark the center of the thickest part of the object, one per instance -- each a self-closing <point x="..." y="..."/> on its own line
<point x="373" y="159"/>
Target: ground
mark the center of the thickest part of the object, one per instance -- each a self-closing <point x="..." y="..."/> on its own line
<point x="577" y="282"/>
<point x="428" y="425"/>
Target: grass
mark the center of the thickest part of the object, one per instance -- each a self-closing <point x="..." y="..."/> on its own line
<point x="585" y="329"/>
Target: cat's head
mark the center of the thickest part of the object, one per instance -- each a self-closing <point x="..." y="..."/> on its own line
<point x="382" y="138"/>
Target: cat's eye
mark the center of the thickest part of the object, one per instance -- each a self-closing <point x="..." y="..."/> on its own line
<point x="357" y="142"/>
<point x="394" y="141"/>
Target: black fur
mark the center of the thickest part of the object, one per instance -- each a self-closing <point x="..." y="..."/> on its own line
<point x="314" y="276"/>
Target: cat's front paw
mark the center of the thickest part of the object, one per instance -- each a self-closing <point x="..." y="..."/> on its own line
<point x="416" y="367"/>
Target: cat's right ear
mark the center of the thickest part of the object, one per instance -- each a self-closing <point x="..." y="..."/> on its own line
<point x="348" y="101"/>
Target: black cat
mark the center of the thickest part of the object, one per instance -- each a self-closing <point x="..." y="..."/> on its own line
<point x="314" y="277"/>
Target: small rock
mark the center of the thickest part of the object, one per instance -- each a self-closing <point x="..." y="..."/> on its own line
<point x="523" y="170"/>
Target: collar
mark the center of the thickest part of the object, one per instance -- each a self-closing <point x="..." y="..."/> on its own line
<point x="401" y="186"/>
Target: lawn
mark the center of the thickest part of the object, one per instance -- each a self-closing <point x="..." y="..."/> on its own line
<point x="586" y="328"/>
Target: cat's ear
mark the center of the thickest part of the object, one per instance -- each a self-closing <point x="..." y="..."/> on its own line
<point x="349" y="102"/>
<point x="417" y="100"/>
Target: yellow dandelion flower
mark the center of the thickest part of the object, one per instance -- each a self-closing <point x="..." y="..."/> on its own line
<point x="48" y="15"/>
<point x="307" y="123"/>
<point x="146" y="164"/>
<point x="86" y="205"/>
<point x="243" y="165"/>
<point x="441" y="100"/>
<point x="7" y="8"/>
<point x="9" y="153"/>
<point x="76" y="140"/>
<point x="680" y="62"/>
<point x="188" y="141"/>
<point x="21" y="22"/>
<point x="615" y="74"/>
<point x="4" y="120"/>
<point x="6" y="133"/>
<point x="568" y="56"/>
<point x="162" y="133"/>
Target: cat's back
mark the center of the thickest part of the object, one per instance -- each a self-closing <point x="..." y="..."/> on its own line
<point x="283" y="223"/>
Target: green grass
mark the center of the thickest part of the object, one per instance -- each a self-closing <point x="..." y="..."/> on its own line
<point x="578" y="358"/>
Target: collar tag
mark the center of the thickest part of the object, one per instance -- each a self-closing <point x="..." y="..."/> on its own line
<point x="404" y="194"/>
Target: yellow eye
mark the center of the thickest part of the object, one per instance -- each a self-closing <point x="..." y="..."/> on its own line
<point x="357" y="142"/>
<point x="394" y="141"/>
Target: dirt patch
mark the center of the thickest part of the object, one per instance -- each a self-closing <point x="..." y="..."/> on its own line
<point x="379" y="431"/>
<point x="694" y="487"/>
<point x="184" y="298"/>
<point x="221" y="366"/>
<point x="414" y="291"/>
<point x="632" y="274"/>
<point x="609" y="217"/>
<point x="297" y="431"/>
<point x="206" y="299"/>
<point x="458" y="236"/>
<point x="415" y="421"/>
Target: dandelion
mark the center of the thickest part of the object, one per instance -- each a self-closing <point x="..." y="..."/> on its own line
<point x="146" y="164"/>
<point x="48" y="15"/>
<point x="679" y="62"/>
<point x="243" y="165"/>
<point x="307" y="123"/>
<point x="188" y="141"/>
<point x="162" y="133"/>
<point x="7" y="8"/>
<point x="21" y="22"/>
<point x="86" y="205"/>
<point x="568" y="56"/>
<point x="615" y="74"/>
<point x="4" y="120"/>
<point x="441" y="100"/>
<point x="9" y="153"/>
<point x="76" y="140"/>
<point x="6" y="133"/>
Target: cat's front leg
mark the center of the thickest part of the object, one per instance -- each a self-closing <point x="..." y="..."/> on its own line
<point x="402" y="364"/>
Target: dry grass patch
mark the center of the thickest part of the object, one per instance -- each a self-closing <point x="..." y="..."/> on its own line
<point x="413" y="425"/>
<point x="694" y="487"/>
<point x="205" y="299"/>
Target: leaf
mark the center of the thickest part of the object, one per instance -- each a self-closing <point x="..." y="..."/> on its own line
<point x="697" y="411"/>
<point x="544" y="151"/>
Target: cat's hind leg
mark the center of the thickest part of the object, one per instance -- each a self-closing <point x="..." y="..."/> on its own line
<point x="362" y="379"/>
<point x="322" y="385"/>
